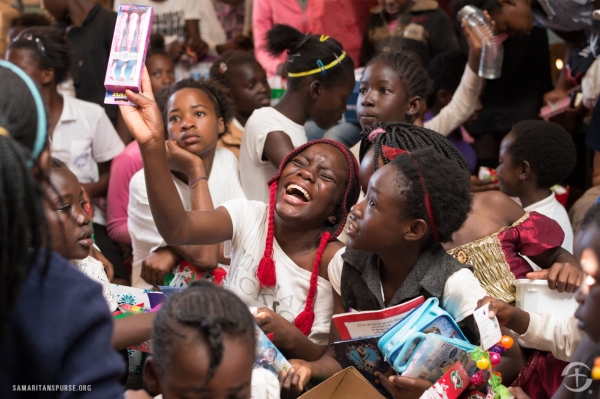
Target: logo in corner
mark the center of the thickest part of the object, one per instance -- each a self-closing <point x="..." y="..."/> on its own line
<point x="577" y="376"/>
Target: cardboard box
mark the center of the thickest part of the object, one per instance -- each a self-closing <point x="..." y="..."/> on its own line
<point x="347" y="384"/>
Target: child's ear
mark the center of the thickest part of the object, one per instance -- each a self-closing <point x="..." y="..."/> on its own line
<point x="414" y="105"/>
<point x="151" y="376"/>
<point x="221" y="123"/>
<point x="47" y="76"/>
<point x="332" y="219"/>
<point x="525" y="171"/>
<point x="417" y="230"/>
<point x="315" y="89"/>
<point x="505" y="3"/>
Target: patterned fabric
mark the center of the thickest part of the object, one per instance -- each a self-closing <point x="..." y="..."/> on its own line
<point x="94" y="269"/>
<point x="497" y="259"/>
<point x="231" y="17"/>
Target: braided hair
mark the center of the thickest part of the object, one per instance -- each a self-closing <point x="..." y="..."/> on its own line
<point x="203" y="311"/>
<point x="215" y="91"/>
<point x="406" y="136"/>
<point x="307" y="52"/>
<point x="265" y="273"/>
<point x="409" y="70"/>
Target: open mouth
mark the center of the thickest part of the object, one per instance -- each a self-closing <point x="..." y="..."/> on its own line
<point x="86" y="239"/>
<point x="294" y="190"/>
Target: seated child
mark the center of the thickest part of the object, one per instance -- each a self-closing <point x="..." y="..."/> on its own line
<point x="162" y="73"/>
<point x="195" y="114"/>
<point x="203" y="343"/>
<point x="80" y="132"/>
<point x="420" y="26"/>
<point x="394" y="252"/>
<point x="249" y="90"/>
<point x="280" y="251"/>
<point x="535" y="156"/>
<point x="71" y="236"/>
<point x="490" y="241"/>
<point x="320" y="80"/>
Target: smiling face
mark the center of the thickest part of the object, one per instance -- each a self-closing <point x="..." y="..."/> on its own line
<point x="68" y="221"/>
<point x="249" y="87"/>
<point x="382" y="97"/>
<point x="183" y="378"/>
<point x="588" y="294"/>
<point x="193" y="122"/>
<point x="374" y="224"/>
<point x="508" y="171"/>
<point x="311" y="186"/>
<point x="161" y="70"/>
<point x="330" y="102"/>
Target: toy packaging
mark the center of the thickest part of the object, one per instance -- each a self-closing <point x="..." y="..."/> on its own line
<point x="452" y="384"/>
<point x="128" y="53"/>
<point x="267" y="355"/>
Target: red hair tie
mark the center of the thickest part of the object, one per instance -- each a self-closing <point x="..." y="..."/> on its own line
<point x="434" y="230"/>
<point x="391" y="153"/>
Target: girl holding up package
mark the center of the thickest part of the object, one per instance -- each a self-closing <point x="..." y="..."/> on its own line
<point x="320" y="80"/>
<point x="279" y="250"/>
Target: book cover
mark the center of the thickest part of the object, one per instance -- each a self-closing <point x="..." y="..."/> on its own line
<point x="364" y="355"/>
<point x="354" y="325"/>
<point x="267" y="355"/>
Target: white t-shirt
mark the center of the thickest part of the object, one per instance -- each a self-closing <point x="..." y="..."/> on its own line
<point x="83" y="138"/>
<point x="169" y="16"/>
<point x="461" y="291"/>
<point x="288" y="297"/>
<point x="94" y="269"/>
<point x="254" y="171"/>
<point x="223" y="184"/>
<point x="553" y="209"/>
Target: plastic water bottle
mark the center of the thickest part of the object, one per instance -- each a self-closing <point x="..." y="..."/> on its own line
<point x="490" y="65"/>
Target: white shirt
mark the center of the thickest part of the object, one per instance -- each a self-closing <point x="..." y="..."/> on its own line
<point x="461" y="291"/>
<point x="94" y="269"/>
<point x="288" y="297"/>
<point x="169" y="16"/>
<point x="254" y="171"/>
<point x="83" y="138"/>
<point x="223" y="184"/>
<point x="553" y="209"/>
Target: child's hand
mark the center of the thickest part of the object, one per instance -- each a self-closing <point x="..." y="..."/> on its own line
<point x="199" y="47"/>
<point x="108" y="267"/>
<point x="292" y="383"/>
<point x="158" y="264"/>
<point x="508" y="316"/>
<point x="144" y="121"/>
<point x="402" y="387"/>
<point x="518" y="393"/>
<point x="184" y="161"/>
<point x="561" y="276"/>
<point x="475" y="46"/>
<point x="478" y="185"/>
<point x="140" y="394"/>
<point x="271" y="322"/>
<point x="175" y="50"/>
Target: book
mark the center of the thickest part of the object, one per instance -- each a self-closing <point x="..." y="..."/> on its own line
<point x="267" y="356"/>
<point x="364" y="355"/>
<point x="374" y="323"/>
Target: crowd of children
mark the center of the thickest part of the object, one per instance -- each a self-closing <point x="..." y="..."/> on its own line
<point x="211" y="193"/>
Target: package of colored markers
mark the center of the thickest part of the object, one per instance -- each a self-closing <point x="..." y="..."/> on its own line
<point x="128" y="53"/>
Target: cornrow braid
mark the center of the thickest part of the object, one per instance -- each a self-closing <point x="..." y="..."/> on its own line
<point x="23" y="229"/>
<point x="409" y="70"/>
<point x="205" y="311"/>
<point x="265" y="273"/>
<point x="408" y="137"/>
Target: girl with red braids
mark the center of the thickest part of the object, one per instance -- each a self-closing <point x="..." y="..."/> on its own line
<point x="279" y="251"/>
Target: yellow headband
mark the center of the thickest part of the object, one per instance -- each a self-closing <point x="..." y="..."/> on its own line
<point x="4" y="132"/>
<point x="320" y="69"/>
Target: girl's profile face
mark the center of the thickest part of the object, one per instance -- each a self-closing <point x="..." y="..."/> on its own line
<point x="68" y="221"/>
<point x="249" y="87"/>
<point x="382" y="97"/>
<point x="188" y="367"/>
<point x="508" y="171"/>
<point x="193" y="122"/>
<point x="28" y="61"/>
<point x="161" y="70"/>
<point x="588" y="294"/>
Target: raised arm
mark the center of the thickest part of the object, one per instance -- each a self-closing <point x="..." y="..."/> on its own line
<point x="175" y="225"/>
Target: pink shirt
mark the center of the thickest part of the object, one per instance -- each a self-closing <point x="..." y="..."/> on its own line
<point x="344" y="20"/>
<point x="122" y="169"/>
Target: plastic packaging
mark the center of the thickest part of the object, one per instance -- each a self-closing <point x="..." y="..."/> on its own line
<point x="535" y="296"/>
<point x="490" y="66"/>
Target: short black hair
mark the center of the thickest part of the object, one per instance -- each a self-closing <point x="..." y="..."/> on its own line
<point x="58" y="164"/>
<point x="215" y="91"/>
<point x="53" y="51"/>
<point x="156" y="46"/>
<point x="548" y="148"/>
<point x="304" y="53"/>
<point x="591" y="216"/>
<point x="230" y="59"/>
<point x="448" y="187"/>
<point x="29" y="20"/>
<point x="445" y="71"/>
<point x="204" y="311"/>
<point x="409" y="70"/>
<point x="484" y="5"/>
<point x="408" y="137"/>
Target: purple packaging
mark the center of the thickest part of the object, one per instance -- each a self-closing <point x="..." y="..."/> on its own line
<point x="128" y="53"/>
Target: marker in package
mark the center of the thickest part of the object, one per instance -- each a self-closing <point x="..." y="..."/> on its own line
<point x="128" y="53"/>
